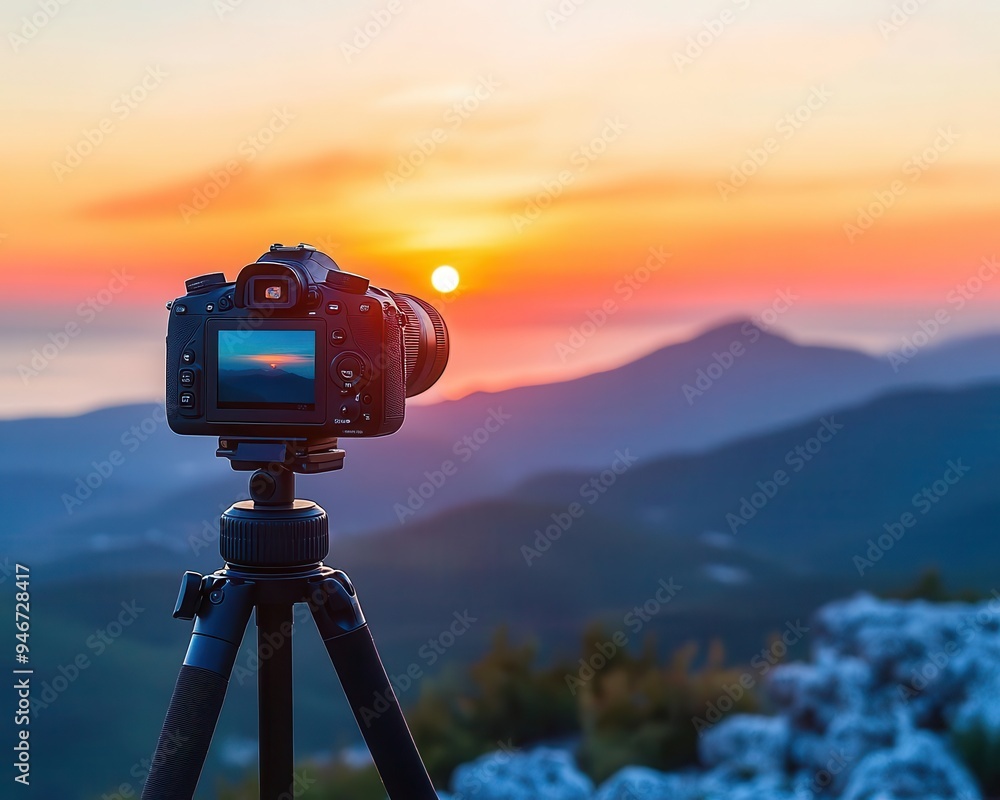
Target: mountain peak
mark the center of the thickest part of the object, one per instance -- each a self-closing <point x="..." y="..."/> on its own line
<point x="735" y="329"/>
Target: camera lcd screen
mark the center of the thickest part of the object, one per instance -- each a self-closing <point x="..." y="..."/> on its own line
<point x="267" y="369"/>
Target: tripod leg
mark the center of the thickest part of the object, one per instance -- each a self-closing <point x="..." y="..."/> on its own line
<point x="274" y="701"/>
<point x="345" y="633"/>
<point x="200" y="691"/>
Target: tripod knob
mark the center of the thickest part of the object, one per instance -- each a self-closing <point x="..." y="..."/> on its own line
<point x="251" y="536"/>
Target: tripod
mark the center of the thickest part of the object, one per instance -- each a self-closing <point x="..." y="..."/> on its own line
<point x="273" y="546"/>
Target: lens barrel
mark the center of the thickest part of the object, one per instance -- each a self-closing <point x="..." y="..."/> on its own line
<point x="426" y="344"/>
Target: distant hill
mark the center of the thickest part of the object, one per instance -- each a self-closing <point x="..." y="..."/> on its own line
<point x="731" y="382"/>
<point x="954" y="362"/>
<point x="900" y="454"/>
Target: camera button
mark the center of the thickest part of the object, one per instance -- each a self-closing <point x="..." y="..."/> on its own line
<point x="210" y="308"/>
<point x="367" y="399"/>
<point x="225" y="303"/>
<point x="339" y="336"/>
<point x="349" y="370"/>
<point x="188" y="356"/>
<point x="348" y="412"/>
<point x="334" y="308"/>
<point x="186" y="378"/>
<point x="313" y="298"/>
<point x="180" y="309"/>
<point x="186" y="400"/>
<point x="366" y="307"/>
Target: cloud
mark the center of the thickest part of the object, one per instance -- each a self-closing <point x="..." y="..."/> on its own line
<point x="250" y="188"/>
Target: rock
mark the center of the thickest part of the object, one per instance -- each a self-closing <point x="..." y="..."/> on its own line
<point x="542" y="773"/>
<point x="919" y="767"/>
<point x="747" y="745"/>
<point x="640" y="783"/>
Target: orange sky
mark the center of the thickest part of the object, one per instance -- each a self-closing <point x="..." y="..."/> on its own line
<point x="541" y="153"/>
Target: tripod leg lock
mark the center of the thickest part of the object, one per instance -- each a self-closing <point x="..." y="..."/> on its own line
<point x="335" y="607"/>
<point x="189" y="597"/>
<point x="223" y="614"/>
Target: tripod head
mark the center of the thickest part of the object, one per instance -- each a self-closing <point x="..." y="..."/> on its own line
<point x="273" y="529"/>
<point x="274" y="463"/>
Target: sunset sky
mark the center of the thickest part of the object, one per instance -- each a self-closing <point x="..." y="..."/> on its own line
<point x="548" y="151"/>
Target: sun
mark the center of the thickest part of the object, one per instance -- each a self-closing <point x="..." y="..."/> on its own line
<point x="445" y="279"/>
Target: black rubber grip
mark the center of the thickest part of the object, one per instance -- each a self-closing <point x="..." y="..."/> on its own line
<point x="379" y="716"/>
<point x="186" y="736"/>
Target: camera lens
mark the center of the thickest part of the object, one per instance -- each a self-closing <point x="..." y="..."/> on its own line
<point x="425" y="343"/>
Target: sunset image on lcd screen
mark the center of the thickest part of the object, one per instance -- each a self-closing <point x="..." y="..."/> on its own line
<point x="266" y="368"/>
<point x="277" y="360"/>
<point x="445" y="279"/>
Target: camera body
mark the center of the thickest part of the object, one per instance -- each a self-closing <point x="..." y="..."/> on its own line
<point x="295" y="348"/>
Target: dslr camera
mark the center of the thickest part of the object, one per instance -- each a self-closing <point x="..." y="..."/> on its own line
<point x="296" y="348"/>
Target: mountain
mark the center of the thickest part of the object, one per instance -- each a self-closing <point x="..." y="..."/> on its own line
<point x="264" y="385"/>
<point x="119" y="477"/>
<point x="953" y="362"/>
<point x="931" y="456"/>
